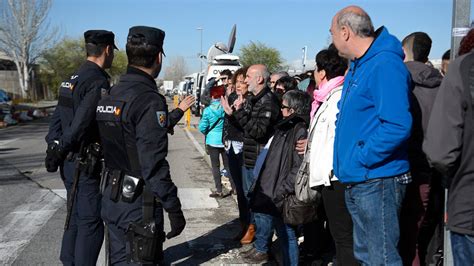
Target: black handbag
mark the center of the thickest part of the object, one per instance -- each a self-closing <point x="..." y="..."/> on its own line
<point x="296" y="212"/>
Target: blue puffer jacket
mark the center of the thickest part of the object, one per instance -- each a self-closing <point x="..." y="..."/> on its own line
<point x="374" y="120"/>
<point x="210" y="115"/>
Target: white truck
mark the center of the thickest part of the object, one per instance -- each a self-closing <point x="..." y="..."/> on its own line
<point x="168" y="87"/>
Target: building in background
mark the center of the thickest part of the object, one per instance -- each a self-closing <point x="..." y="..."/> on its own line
<point x="10" y="83"/>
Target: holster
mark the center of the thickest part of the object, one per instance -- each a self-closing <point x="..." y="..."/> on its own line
<point x="92" y="157"/>
<point x="115" y="179"/>
<point x="144" y="244"/>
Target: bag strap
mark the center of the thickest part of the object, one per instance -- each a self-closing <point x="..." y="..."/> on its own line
<point x="148" y="205"/>
<point x="213" y="126"/>
<point x="293" y="140"/>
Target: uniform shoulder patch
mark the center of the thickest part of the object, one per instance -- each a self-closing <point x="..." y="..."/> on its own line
<point x="161" y="118"/>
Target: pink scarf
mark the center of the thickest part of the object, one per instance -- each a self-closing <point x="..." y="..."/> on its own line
<point x="324" y="88"/>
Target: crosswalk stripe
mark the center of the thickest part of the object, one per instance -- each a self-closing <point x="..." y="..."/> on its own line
<point x="24" y="222"/>
<point x="61" y="193"/>
<point x="3" y="143"/>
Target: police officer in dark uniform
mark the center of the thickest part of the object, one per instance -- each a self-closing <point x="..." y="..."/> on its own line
<point x="133" y="123"/>
<point x="72" y="142"/>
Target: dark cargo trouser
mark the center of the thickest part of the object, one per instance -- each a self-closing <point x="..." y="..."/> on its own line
<point x="117" y="216"/>
<point x="82" y="241"/>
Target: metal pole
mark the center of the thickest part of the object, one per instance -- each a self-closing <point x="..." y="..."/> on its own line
<point x="460" y="27"/>
<point x="461" y="24"/>
<point x="304" y="57"/>
<point x="200" y="51"/>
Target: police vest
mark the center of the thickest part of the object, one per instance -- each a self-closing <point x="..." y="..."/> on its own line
<point x="118" y="140"/>
<point x="69" y="89"/>
<point x="66" y="100"/>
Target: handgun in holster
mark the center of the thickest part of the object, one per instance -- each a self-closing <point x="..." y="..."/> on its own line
<point x="144" y="243"/>
<point x="86" y="161"/>
<point x="92" y="157"/>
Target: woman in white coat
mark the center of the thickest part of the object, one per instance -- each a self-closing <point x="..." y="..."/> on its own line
<point x="329" y="76"/>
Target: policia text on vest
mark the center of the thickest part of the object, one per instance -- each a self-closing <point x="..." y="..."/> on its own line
<point x="133" y="122"/>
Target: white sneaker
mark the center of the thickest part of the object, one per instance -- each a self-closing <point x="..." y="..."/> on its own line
<point x="38" y="114"/>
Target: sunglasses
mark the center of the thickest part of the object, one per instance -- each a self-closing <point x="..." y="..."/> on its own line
<point x="285" y="107"/>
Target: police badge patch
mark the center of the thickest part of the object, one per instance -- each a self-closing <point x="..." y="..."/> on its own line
<point x="161" y="117"/>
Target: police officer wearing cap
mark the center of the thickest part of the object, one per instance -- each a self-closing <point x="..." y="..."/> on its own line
<point x="133" y="123"/>
<point x="73" y="130"/>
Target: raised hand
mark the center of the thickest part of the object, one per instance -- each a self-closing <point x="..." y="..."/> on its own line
<point x="186" y="103"/>
<point x="225" y="104"/>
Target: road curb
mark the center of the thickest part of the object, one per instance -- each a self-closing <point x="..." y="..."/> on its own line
<point x="198" y="147"/>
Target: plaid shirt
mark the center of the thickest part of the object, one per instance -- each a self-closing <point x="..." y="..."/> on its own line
<point x="404" y="178"/>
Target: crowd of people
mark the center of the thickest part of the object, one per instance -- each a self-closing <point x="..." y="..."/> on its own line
<point x="376" y="132"/>
<point x="355" y="156"/>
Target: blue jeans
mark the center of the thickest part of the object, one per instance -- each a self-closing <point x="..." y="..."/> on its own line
<point x="375" y="210"/>
<point x="463" y="249"/>
<point x="247" y="181"/>
<point x="288" y="241"/>
<point x="264" y="231"/>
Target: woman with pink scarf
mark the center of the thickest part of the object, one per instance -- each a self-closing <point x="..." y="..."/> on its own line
<point x="329" y="77"/>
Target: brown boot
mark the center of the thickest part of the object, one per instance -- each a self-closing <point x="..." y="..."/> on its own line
<point x="249" y="235"/>
<point x="240" y="234"/>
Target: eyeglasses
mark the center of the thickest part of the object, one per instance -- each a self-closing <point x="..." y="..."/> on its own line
<point x="285" y="107"/>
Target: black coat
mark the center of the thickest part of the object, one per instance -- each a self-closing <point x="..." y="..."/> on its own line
<point x="425" y="81"/>
<point x="276" y="179"/>
<point x="135" y="139"/>
<point x="73" y="120"/>
<point x="257" y="118"/>
<point x="449" y="141"/>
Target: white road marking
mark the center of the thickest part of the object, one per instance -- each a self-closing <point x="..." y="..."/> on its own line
<point x="3" y="143"/>
<point x="199" y="147"/>
<point x="24" y="222"/>
<point x="60" y="192"/>
<point x="196" y="144"/>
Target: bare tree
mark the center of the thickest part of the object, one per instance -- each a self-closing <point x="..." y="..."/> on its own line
<point x="24" y="35"/>
<point x="176" y="69"/>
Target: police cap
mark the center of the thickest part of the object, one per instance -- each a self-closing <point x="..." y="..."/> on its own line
<point x="147" y="35"/>
<point x="100" y="37"/>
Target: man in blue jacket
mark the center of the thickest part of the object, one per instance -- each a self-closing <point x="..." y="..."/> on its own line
<point x="372" y="129"/>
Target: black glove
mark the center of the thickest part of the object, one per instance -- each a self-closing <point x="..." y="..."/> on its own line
<point x="54" y="157"/>
<point x="177" y="223"/>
